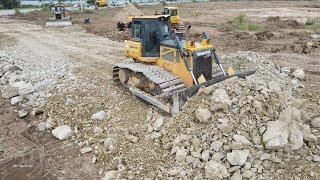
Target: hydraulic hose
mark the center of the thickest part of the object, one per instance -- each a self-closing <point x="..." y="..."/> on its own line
<point x="184" y="56"/>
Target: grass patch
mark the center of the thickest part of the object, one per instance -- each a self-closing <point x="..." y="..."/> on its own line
<point x="45" y="9"/>
<point x="214" y="25"/>
<point x="273" y="19"/>
<point x="241" y="23"/>
<point x="28" y="6"/>
<point x="310" y="22"/>
<point x="313" y="24"/>
<point x="17" y="12"/>
<point x="85" y="11"/>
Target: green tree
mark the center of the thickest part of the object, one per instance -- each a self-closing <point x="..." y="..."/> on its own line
<point x="10" y="4"/>
<point x="91" y="1"/>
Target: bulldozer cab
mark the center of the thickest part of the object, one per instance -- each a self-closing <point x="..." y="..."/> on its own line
<point x="59" y="11"/>
<point x="150" y="31"/>
<point x="59" y="16"/>
<point x="172" y="11"/>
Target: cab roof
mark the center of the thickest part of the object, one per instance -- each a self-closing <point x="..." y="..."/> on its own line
<point x="59" y="5"/>
<point x="171" y="7"/>
<point x="151" y="17"/>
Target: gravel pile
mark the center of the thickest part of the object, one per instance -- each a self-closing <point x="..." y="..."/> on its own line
<point x="29" y="76"/>
<point x="129" y="10"/>
<point x="238" y="129"/>
<point x="243" y="128"/>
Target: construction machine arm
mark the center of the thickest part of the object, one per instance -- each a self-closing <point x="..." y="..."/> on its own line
<point x="184" y="56"/>
<point x="218" y="61"/>
<point x="215" y="55"/>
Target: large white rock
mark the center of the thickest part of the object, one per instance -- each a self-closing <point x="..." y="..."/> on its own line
<point x="9" y="92"/>
<point x="288" y="131"/>
<point x="132" y="138"/>
<point x="221" y="99"/>
<point x="299" y="73"/>
<point x="285" y="70"/>
<point x="110" y="143"/>
<point x="11" y="68"/>
<point x="85" y="150"/>
<point x="22" y="114"/>
<point x="316" y="122"/>
<point x="24" y="88"/>
<point x="181" y="155"/>
<point x="62" y="132"/>
<point x="307" y="135"/>
<point x="16" y="100"/>
<point x="41" y="126"/>
<point x="296" y="137"/>
<point x="275" y="136"/>
<point x="241" y="139"/>
<point x="247" y="174"/>
<point x="203" y="115"/>
<point x="316" y="158"/>
<point x="215" y="170"/>
<point x="205" y="155"/>
<point x="49" y="123"/>
<point x="155" y="135"/>
<point x="111" y="175"/>
<point x="238" y="157"/>
<point x="290" y="115"/>
<point x="158" y="123"/>
<point x="216" y="145"/>
<point x="69" y="101"/>
<point x="236" y="176"/>
<point x="101" y="115"/>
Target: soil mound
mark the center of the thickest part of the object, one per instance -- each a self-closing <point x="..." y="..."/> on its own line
<point x="127" y="11"/>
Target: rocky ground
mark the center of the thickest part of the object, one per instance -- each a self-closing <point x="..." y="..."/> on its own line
<point x="62" y="117"/>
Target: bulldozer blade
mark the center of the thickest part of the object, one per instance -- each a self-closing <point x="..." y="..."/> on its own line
<point x="181" y="97"/>
<point x="150" y="99"/>
<point x="58" y="23"/>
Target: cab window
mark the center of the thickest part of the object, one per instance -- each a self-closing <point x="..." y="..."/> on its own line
<point x="165" y="11"/>
<point x="173" y="12"/>
<point x="136" y="30"/>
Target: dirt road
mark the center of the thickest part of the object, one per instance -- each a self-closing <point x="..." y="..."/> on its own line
<point x="80" y="64"/>
<point x="90" y="59"/>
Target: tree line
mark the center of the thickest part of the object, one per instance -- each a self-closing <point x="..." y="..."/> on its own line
<point x="9" y="4"/>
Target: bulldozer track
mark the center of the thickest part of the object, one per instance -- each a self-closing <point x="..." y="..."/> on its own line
<point x="167" y="82"/>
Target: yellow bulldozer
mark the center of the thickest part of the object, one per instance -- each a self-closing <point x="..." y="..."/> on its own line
<point x="174" y="17"/>
<point x="166" y="70"/>
<point x="101" y="3"/>
<point x="59" y="17"/>
<point x="167" y="10"/>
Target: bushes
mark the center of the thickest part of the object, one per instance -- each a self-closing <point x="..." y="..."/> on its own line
<point x="313" y="24"/>
<point x="241" y="23"/>
<point x="91" y="1"/>
<point x="10" y="4"/>
<point x="45" y="9"/>
<point x="310" y="22"/>
<point x="85" y="11"/>
<point x="17" y="12"/>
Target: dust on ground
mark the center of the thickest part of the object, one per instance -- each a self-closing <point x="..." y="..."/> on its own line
<point x="282" y="39"/>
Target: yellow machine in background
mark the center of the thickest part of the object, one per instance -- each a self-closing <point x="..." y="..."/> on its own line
<point x="101" y="3"/>
<point x="166" y="71"/>
<point x="174" y="18"/>
<point x="59" y="17"/>
<point x="168" y="10"/>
